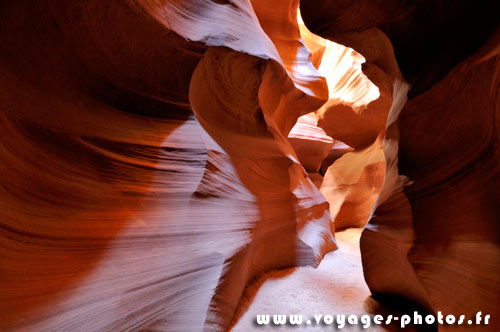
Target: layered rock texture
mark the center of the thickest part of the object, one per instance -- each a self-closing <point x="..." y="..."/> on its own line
<point x="119" y="210"/>
<point x="156" y="156"/>
<point x="434" y="245"/>
<point x="444" y="234"/>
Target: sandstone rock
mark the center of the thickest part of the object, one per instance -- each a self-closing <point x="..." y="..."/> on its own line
<point x="443" y="245"/>
<point x="158" y="155"/>
<point x="433" y="245"/>
<point x="119" y="212"/>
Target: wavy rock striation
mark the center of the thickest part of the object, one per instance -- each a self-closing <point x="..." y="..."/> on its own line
<point x="434" y="245"/>
<point x="159" y="155"/>
<point x="121" y="210"/>
<point x="443" y="238"/>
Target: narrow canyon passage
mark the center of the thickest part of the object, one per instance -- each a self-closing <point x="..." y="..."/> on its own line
<point x="186" y="165"/>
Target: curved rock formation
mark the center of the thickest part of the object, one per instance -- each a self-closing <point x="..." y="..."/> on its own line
<point x="435" y="245"/>
<point x="429" y="37"/>
<point x="444" y="243"/>
<point x="158" y="155"/>
<point x="241" y="116"/>
<point x="119" y="212"/>
<point x="312" y="146"/>
<point x="361" y="112"/>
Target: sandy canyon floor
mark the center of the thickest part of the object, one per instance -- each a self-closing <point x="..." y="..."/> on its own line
<point x="336" y="286"/>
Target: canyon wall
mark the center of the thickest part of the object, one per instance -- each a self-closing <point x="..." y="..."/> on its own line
<point x="157" y="156"/>
<point x="119" y="211"/>
<point x="434" y="245"/>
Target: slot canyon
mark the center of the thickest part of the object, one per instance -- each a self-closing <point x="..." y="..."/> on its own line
<point x="187" y="165"/>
